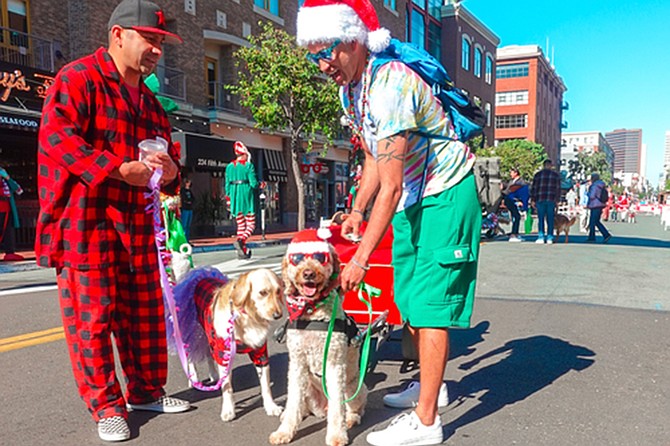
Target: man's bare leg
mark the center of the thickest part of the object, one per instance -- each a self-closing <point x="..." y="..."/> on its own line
<point x="433" y="347"/>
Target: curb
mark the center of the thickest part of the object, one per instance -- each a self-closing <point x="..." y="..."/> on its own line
<point x="30" y="265"/>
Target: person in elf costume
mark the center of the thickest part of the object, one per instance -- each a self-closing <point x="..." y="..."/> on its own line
<point x="9" y="215"/>
<point x="241" y="183"/>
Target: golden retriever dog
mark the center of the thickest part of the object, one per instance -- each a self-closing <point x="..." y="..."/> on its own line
<point x="211" y="310"/>
<point x="562" y="224"/>
<point x="309" y="269"/>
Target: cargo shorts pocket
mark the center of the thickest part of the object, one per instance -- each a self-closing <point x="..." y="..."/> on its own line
<point x="454" y="268"/>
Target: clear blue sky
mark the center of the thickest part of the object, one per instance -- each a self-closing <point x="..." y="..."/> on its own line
<point x="613" y="56"/>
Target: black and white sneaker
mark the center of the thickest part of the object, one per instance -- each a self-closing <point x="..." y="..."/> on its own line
<point x="164" y="404"/>
<point x="113" y="429"/>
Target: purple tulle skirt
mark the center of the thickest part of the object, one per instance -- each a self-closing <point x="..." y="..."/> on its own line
<point x="193" y="336"/>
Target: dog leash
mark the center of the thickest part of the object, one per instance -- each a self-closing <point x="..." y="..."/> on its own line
<point x="164" y="256"/>
<point x="365" y="351"/>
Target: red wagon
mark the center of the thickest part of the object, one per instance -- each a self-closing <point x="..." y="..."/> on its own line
<point x="379" y="276"/>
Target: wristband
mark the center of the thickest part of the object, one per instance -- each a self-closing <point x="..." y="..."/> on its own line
<point x="355" y="262"/>
<point x="359" y="212"/>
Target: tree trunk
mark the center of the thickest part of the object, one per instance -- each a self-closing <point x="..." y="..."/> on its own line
<point x="299" y="184"/>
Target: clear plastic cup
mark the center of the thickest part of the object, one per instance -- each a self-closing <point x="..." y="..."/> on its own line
<point x="149" y="146"/>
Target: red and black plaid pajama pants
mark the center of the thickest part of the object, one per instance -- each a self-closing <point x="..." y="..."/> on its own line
<point x="97" y="303"/>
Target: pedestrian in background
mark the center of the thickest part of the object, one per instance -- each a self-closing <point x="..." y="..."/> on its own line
<point x="572" y="200"/>
<point x="93" y="225"/>
<point x="596" y="206"/>
<point x="9" y="216"/>
<point x="545" y="193"/>
<point x="241" y="182"/>
<point x="434" y="209"/>
<point x="515" y="195"/>
<point x="186" y="200"/>
<point x="583" y="206"/>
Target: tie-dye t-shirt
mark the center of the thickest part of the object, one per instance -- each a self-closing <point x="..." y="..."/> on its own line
<point x="399" y="100"/>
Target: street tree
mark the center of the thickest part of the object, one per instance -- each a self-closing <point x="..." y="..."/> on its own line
<point x="588" y="163"/>
<point x="286" y="93"/>
<point x="526" y="156"/>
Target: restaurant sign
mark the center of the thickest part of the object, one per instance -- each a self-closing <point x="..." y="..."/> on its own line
<point x="27" y="85"/>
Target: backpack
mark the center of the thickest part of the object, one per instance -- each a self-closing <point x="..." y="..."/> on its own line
<point x="604" y="195"/>
<point x="466" y="117"/>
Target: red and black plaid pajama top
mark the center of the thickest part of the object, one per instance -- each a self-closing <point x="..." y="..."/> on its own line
<point x="95" y="231"/>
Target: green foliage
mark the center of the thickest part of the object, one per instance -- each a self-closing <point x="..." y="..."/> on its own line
<point x="526" y="156"/>
<point x="283" y="90"/>
<point x="587" y="163"/>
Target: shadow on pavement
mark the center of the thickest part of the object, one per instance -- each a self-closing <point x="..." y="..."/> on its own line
<point x="525" y="367"/>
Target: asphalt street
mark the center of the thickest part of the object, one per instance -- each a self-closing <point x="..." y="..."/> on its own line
<point x="569" y="345"/>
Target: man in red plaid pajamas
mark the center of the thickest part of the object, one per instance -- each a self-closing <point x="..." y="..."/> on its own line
<point x="93" y="226"/>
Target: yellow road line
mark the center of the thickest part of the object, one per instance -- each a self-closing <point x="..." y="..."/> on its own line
<point x="29" y="339"/>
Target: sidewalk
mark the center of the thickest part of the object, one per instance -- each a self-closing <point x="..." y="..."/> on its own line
<point x="199" y="245"/>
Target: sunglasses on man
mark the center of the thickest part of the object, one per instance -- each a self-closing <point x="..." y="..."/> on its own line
<point x="325" y="54"/>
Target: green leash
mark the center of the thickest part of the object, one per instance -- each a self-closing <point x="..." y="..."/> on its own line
<point x="365" y="353"/>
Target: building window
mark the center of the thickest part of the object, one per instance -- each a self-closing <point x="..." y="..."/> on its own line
<point x="390" y="4"/>
<point x="478" y="62"/>
<point x="434" y="8"/>
<point x="465" y="53"/>
<point x="420" y="3"/>
<point x="512" y="97"/>
<point x="512" y="70"/>
<point x="246" y="29"/>
<point x="189" y="6"/>
<point x="268" y="5"/>
<point x="211" y="80"/>
<point x="489" y="69"/>
<point x="511" y="121"/>
<point x="434" y="40"/>
<point x="221" y="19"/>
<point x="418" y="29"/>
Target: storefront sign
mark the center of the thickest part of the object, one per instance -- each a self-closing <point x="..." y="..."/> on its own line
<point x="28" y="85"/>
<point x="207" y="153"/>
<point x="314" y="167"/>
<point x="21" y="122"/>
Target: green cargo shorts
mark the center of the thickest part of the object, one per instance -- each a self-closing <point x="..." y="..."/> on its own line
<point x="435" y="252"/>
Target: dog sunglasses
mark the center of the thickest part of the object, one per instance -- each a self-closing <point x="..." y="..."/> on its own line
<point x="321" y="257"/>
<point x="325" y="54"/>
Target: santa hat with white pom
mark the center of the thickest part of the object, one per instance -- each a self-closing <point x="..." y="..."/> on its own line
<point x="309" y="241"/>
<point x="323" y="21"/>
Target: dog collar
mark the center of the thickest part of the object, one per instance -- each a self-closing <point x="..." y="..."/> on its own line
<point x="298" y="305"/>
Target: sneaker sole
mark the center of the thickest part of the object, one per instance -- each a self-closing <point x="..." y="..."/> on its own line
<point x="159" y="409"/>
<point x="114" y="437"/>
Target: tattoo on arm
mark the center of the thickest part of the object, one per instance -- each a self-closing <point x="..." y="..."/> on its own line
<point x="387" y="154"/>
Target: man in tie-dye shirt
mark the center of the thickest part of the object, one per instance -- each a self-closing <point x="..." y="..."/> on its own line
<point x="420" y="178"/>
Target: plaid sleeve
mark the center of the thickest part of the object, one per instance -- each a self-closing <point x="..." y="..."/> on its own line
<point x="65" y="118"/>
<point x="172" y="188"/>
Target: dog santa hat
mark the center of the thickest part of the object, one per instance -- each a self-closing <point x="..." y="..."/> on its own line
<point x="241" y="149"/>
<point x="323" y="21"/>
<point x="309" y="241"/>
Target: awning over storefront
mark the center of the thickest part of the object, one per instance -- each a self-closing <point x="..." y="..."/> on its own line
<point x="274" y="167"/>
<point x="16" y="121"/>
<point x="204" y="153"/>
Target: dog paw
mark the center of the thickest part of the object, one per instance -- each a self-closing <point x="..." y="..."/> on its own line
<point x="279" y="437"/>
<point x="273" y="410"/>
<point x="228" y="415"/>
<point x="340" y="439"/>
<point x="353" y="420"/>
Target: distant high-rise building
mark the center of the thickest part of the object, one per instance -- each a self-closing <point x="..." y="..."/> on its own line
<point x="529" y="98"/>
<point x="666" y="159"/>
<point x="627" y="146"/>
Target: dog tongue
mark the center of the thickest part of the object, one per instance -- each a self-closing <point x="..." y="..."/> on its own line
<point x="308" y="290"/>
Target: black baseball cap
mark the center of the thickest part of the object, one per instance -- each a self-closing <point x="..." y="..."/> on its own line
<point x="142" y="15"/>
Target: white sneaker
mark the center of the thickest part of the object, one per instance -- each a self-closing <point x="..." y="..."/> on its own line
<point x="540" y="241"/>
<point x="409" y="397"/>
<point x="113" y="429"/>
<point x="550" y="241"/>
<point x="515" y="239"/>
<point x="164" y="404"/>
<point x="407" y="430"/>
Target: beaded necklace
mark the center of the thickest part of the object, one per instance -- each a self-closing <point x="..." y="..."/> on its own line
<point x="356" y="126"/>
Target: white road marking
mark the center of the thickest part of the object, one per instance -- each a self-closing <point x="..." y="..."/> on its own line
<point x="33" y="289"/>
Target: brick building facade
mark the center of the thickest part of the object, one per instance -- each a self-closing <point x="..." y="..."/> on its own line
<point x="529" y="98"/>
